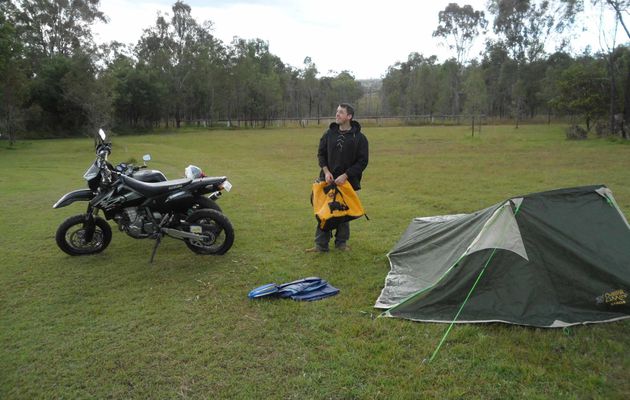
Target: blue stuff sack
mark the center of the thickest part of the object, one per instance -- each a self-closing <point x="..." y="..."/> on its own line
<point x="264" y="290"/>
<point x="307" y="289"/>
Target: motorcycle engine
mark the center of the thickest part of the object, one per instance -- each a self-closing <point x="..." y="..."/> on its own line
<point x="136" y="223"/>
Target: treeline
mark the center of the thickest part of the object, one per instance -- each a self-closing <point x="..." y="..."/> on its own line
<point x="515" y="77"/>
<point x="54" y="80"/>
<point x="588" y="89"/>
<point x="57" y="82"/>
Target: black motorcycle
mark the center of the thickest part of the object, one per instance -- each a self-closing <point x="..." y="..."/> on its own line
<point x="145" y="204"/>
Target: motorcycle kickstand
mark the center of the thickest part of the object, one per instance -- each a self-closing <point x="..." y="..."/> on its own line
<point x="158" y="240"/>
<point x="159" y="236"/>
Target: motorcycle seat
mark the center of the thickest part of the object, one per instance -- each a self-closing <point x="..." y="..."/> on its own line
<point x="153" y="189"/>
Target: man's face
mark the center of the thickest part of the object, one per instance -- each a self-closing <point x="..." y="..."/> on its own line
<point x="342" y="116"/>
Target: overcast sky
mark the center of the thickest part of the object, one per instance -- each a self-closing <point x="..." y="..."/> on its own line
<point x="361" y="36"/>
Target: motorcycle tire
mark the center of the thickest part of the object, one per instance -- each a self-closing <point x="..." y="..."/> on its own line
<point x="70" y="234"/>
<point x="202" y="202"/>
<point x="216" y="226"/>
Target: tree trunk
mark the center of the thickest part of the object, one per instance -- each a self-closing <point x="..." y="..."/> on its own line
<point x="611" y="72"/>
<point x="626" y="107"/>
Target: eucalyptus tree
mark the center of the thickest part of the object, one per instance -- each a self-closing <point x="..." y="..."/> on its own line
<point x="582" y="90"/>
<point x="554" y="66"/>
<point x="459" y="26"/>
<point x="475" y="93"/>
<point x="344" y="88"/>
<point x="56" y="49"/>
<point x="426" y="86"/>
<point x="209" y="75"/>
<point x="155" y="49"/>
<point x="524" y="27"/>
<point x="57" y="27"/>
<point x="620" y="8"/>
<point x="185" y="49"/>
<point x="419" y="86"/>
<point x="308" y="78"/>
<point x="449" y="84"/>
<point x="137" y="91"/>
<point x="608" y="47"/>
<point x="392" y="92"/>
<point x="256" y="76"/>
<point x="499" y="72"/>
<point x="13" y="78"/>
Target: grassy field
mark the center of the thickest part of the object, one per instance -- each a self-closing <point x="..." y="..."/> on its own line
<point x="113" y="326"/>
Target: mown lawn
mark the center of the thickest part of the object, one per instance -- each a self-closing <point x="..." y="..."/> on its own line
<point x="113" y="326"/>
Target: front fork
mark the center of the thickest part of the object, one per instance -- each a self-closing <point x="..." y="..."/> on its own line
<point x="88" y="223"/>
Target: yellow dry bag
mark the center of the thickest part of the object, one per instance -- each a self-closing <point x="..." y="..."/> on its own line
<point x="334" y="204"/>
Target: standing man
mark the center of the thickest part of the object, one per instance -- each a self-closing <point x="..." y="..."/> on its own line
<point x="343" y="155"/>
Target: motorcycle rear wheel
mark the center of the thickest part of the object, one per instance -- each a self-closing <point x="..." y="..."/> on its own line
<point x="202" y="202"/>
<point x="216" y="227"/>
<point x="70" y="236"/>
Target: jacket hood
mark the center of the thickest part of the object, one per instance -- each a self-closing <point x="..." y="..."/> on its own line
<point x="354" y="126"/>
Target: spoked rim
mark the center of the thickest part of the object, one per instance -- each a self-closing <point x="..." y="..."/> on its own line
<point x="75" y="238"/>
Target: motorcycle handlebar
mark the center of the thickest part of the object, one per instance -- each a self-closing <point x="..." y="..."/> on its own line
<point x="104" y="149"/>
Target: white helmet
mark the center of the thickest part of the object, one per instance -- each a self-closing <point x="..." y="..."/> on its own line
<point x="193" y="172"/>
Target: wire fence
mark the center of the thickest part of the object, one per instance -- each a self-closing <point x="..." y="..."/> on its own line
<point x="402" y="120"/>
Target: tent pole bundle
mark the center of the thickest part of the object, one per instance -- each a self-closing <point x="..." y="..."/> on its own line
<point x="549" y="259"/>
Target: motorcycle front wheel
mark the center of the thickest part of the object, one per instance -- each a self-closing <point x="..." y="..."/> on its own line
<point x="71" y="233"/>
<point x="215" y="227"/>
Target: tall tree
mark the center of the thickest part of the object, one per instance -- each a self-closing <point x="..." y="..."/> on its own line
<point x="582" y="91"/>
<point x="184" y="48"/>
<point x="499" y="71"/>
<point x="209" y="74"/>
<point x="555" y="65"/>
<point x="12" y="78"/>
<point x="620" y="7"/>
<point x="155" y="48"/>
<point x="525" y="26"/>
<point x="459" y="27"/>
<point x="476" y="95"/>
<point x="310" y="86"/>
<point x="57" y="27"/>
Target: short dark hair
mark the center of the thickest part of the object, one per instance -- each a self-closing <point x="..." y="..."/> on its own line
<point x="348" y="107"/>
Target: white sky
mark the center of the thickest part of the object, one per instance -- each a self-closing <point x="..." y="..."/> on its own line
<point x="364" y="37"/>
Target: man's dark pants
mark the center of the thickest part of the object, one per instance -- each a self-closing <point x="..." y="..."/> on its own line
<point x="342" y="234"/>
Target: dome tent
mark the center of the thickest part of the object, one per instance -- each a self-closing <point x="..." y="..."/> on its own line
<point x="549" y="259"/>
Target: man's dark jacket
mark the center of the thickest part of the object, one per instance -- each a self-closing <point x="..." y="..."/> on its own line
<point x="344" y="153"/>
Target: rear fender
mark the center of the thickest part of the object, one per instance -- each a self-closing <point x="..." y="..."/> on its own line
<point x="206" y="185"/>
<point x="76" y="195"/>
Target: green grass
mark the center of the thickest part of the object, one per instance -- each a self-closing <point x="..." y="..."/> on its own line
<point x="113" y="326"/>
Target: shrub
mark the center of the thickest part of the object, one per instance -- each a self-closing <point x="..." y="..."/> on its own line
<point x="576" y="132"/>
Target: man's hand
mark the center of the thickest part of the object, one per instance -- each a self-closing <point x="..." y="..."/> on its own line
<point x="328" y="176"/>
<point x="341" y="179"/>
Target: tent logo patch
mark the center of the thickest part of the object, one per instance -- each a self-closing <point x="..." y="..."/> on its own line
<point x="614" y="298"/>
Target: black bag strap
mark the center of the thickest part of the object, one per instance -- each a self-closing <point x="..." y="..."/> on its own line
<point x="334" y="187"/>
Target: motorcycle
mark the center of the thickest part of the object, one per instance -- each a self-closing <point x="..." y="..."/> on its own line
<point x="144" y="204"/>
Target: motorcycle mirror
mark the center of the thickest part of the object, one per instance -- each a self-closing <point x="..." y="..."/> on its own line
<point x="102" y="134"/>
<point x="146" y="157"/>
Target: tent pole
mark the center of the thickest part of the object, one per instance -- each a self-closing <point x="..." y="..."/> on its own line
<point x="472" y="289"/>
<point x="461" y="307"/>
